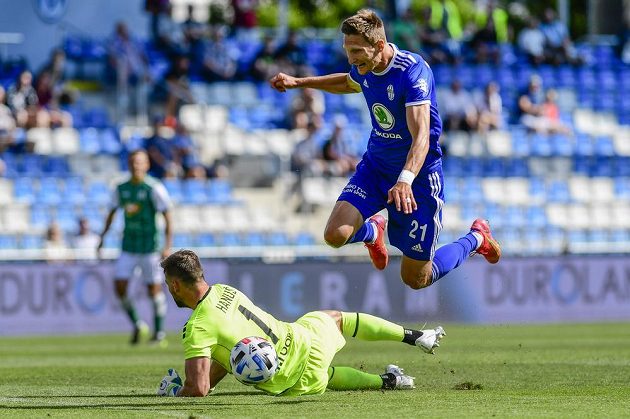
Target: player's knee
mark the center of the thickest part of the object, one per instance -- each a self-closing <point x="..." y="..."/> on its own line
<point x="335" y="236"/>
<point x="416" y="280"/>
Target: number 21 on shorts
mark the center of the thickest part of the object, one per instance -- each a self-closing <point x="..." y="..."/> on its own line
<point x="415" y="227"/>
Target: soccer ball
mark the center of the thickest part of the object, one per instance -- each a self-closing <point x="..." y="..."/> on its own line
<point x="253" y="360"/>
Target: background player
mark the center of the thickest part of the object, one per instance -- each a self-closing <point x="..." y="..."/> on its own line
<point x="222" y="316"/>
<point x="402" y="168"/>
<point x="141" y="198"/>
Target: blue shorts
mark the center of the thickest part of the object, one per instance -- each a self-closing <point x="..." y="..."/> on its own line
<point x="415" y="234"/>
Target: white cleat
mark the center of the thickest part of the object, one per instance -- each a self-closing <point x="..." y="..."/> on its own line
<point x="430" y="339"/>
<point x="403" y="382"/>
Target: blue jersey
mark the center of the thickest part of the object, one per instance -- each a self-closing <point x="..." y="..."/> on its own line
<point x="407" y="81"/>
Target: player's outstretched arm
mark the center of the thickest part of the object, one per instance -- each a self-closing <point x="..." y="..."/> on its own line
<point x="202" y="376"/>
<point x="332" y="83"/>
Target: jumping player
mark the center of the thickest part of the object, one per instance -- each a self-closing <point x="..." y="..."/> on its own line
<point x="222" y="315"/>
<point x="402" y="167"/>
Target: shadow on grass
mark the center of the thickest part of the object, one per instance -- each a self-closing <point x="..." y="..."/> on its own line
<point x="210" y="401"/>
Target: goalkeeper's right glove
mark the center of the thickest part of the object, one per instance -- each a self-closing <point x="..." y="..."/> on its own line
<point x="171" y="384"/>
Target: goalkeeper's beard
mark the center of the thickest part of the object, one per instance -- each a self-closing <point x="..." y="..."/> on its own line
<point x="179" y="302"/>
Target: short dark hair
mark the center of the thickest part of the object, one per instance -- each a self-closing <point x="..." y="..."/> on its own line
<point x="185" y="265"/>
<point x="367" y="24"/>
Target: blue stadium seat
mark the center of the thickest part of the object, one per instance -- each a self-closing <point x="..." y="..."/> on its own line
<point x="98" y="192"/>
<point x="603" y="146"/>
<point x="537" y="189"/>
<point x="620" y="236"/>
<point x="219" y="191"/>
<point x="471" y="190"/>
<point x="540" y="145"/>
<point x="74" y="192"/>
<point x="183" y="240"/>
<point x="303" y="239"/>
<point x="89" y="142"/>
<point x="584" y="145"/>
<point x="67" y="218"/>
<point x="561" y="145"/>
<point x="230" y="239"/>
<point x="24" y="189"/>
<point x="8" y="241"/>
<point x="30" y="165"/>
<point x="56" y="166"/>
<point x="206" y="240"/>
<point x="254" y="239"/>
<point x="558" y="191"/>
<point x="50" y="192"/>
<point x="536" y="217"/>
<point x="514" y="216"/>
<point x="41" y="217"/>
<point x="622" y="187"/>
<point x="278" y="238"/>
<point x="194" y="191"/>
<point x="109" y="141"/>
<point x="174" y="189"/>
<point x="31" y="241"/>
<point x="565" y="76"/>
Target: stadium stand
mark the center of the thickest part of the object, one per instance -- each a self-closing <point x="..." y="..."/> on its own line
<point x="545" y="193"/>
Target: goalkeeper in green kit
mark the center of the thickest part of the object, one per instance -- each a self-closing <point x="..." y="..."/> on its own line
<point x="222" y="315"/>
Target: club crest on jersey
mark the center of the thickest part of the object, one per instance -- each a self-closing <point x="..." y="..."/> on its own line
<point x="383" y="116"/>
<point x="390" y="92"/>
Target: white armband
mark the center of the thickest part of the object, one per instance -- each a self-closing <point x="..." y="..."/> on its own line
<point x="406" y="176"/>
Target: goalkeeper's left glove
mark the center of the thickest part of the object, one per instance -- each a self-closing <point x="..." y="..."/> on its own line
<point x="171" y="384"/>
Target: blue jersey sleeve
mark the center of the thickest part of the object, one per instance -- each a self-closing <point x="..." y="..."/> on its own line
<point x="355" y="78"/>
<point x="418" y="81"/>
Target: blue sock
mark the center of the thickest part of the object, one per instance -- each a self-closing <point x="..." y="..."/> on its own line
<point x="367" y="233"/>
<point x="452" y="255"/>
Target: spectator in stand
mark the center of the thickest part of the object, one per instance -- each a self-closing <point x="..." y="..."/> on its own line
<point x="445" y="18"/>
<point x="48" y="99"/>
<point x="551" y="111"/>
<point x="7" y="122"/>
<point x="291" y="57"/>
<point x="264" y="65"/>
<point x="177" y="87"/>
<point x="531" y="41"/>
<point x="219" y="60"/>
<point x="186" y="154"/>
<point x="24" y="104"/>
<point x="539" y="112"/>
<point x="341" y="162"/>
<point x="156" y="10"/>
<point x="161" y="153"/>
<point x="490" y="109"/>
<point x="459" y="113"/>
<point x="558" y="44"/>
<point x="307" y="106"/>
<point x="194" y="33"/>
<point x="431" y="39"/>
<point x="492" y="32"/>
<point x="85" y="241"/>
<point x="170" y="36"/>
<point x="55" y="246"/>
<point x="129" y="62"/>
<point x="245" y="19"/>
<point x="405" y="32"/>
<point x="306" y="158"/>
<point x="56" y="66"/>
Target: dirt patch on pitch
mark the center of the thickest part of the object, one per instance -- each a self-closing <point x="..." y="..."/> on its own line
<point x="468" y="385"/>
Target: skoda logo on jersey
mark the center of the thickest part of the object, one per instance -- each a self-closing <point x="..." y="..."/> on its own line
<point x="390" y="92"/>
<point x="383" y="116"/>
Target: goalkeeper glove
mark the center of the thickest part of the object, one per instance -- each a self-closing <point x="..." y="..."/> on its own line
<point x="171" y="384"/>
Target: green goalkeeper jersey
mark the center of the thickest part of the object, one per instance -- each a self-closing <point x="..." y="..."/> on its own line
<point x="225" y="315"/>
<point x="140" y="203"/>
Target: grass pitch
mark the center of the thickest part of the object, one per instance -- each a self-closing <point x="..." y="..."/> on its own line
<point x="501" y="371"/>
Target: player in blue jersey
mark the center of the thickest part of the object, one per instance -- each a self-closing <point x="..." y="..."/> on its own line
<point x="402" y="167"/>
